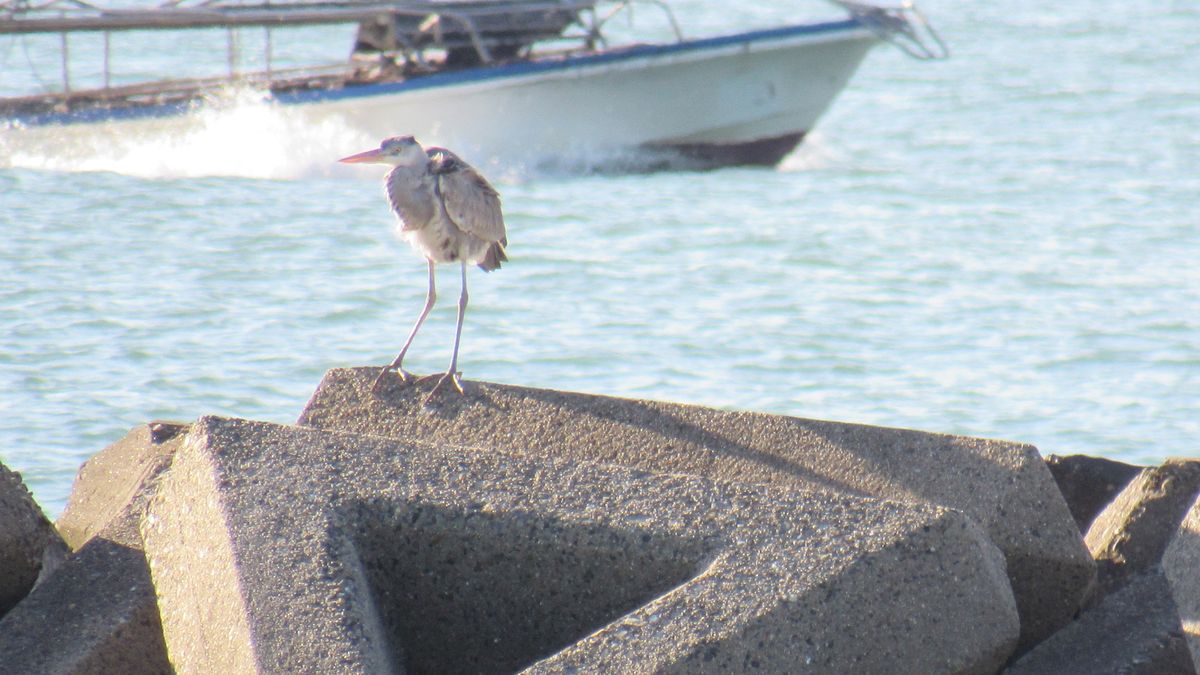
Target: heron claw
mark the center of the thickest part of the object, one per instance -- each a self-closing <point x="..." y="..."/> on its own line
<point x="452" y="376"/>
<point x="405" y="377"/>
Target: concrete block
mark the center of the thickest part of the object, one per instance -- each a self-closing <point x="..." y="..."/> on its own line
<point x="25" y="537"/>
<point x="1005" y="487"/>
<point x="114" y="483"/>
<point x="1131" y="534"/>
<point x="1089" y="483"/>
<point x="1181" y="564"/>
<point x="289" y="549"/>
<point x="97" y="613"/>
<point x="1135" y="631"/>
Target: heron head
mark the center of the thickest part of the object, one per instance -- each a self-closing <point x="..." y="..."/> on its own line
<point x="396" y="151"/>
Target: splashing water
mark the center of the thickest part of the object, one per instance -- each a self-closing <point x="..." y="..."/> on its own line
<point x="238" y="133"/>
<point x="243" y="133"/>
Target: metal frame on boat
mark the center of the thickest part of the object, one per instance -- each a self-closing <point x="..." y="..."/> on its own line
<point x="530" y="77"/>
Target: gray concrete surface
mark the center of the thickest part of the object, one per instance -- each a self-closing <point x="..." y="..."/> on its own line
<point x="1131" y="534"/>
<point x="1089" y="483"/>
<point x="97" y="613"/>
<point x="285" y="549"/>
<point x="1181" y="564"/>
<point x="1135" y="631"/>
<point x="1005" y="487"/>
<point x="25" y="536"/>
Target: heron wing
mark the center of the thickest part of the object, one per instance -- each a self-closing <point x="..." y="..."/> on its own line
<point x="471" y="202"/>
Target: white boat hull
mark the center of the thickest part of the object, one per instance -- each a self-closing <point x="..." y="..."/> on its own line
<point x="731" y="96"/>
<point x="745" y="99"/>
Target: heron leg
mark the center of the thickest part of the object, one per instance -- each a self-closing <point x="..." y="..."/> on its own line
<point x="452" y="372"/>
<point x="430" y="299"/>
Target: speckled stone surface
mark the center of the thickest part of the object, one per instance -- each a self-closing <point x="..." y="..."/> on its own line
<point x="25" y="534"/>
<point x="1005" y="487"/>
<point x="1181" y="563"/>
<point x="285" y="549"/>
<point x="1132" y="533"/>
<point x="97" y="613"/>
<point x="1134" y="631"/>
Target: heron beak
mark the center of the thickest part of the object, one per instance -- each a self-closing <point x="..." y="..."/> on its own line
<point x="370" y="156"/>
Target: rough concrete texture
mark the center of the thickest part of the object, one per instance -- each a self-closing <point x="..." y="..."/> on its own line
<point x="1005" y="487"/>
<point x="1132" y="533"/>
<point x="97" y="613"/>
<point x="1089" y="483"/>
<point x="1181" y="564"/>
<point x="25" y="536"/>
<point x="1135" y="631"/>
<point x="285" y="549"/>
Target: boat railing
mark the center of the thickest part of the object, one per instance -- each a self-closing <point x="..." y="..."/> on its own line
<point x="177" y="90"/>
<point x="391" y="43"/>
<point x="903" y="25"/>
<point x="467" y="32"/>
<point x="474" y="29"/>
<point x="623" y="6"/>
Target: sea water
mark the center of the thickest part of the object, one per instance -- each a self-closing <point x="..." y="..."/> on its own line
<point x="1005" y="244"/>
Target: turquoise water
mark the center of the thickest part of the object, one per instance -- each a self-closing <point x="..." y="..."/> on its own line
<point x="1006" y="244"/>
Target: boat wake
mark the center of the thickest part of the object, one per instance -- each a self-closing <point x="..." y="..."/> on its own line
<point x="237" y="133"/>
<point x="241" y="133"/>
<point x="244" y="134"/>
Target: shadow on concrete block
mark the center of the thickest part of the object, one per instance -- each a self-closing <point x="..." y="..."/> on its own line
<point x="470" y="592"/>
<point x="1089" y="483"/>
<point x="29" y="544"/>
<point x="96" y="614"/>
<point x="1005" y="487"/>
<point x="1135" y="631"/>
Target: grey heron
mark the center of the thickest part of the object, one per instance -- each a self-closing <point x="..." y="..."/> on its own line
<point x="449" y="213"/>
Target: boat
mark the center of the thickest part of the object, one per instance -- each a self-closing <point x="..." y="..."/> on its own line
<point x="535" y="80"/>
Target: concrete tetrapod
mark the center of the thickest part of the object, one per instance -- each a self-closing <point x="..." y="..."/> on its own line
<point x="1130" y="535"/>
<point x="1005" y="487"/>
<point x="287" y="549"/>
<point x="97" y="612"/>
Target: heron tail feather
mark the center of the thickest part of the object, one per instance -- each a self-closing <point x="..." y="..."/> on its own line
<point x="494" y="257"/>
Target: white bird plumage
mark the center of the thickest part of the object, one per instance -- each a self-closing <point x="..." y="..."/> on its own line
<point x="449" y="213"/>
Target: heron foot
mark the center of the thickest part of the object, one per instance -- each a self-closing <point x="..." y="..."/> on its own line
<point x="405" y="377"/>
<point x="451" y="376"/>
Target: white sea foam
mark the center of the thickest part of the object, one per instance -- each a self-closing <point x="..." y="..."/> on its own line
<point x="242" y="133"/>
<point x="238" y="133"/>
<point x="816" y="152"/>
